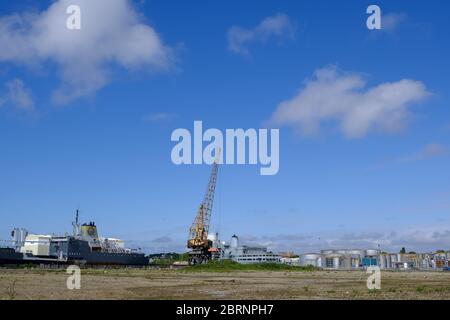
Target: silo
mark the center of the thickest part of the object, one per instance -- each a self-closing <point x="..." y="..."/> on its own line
<point x="356" y="256"/>
<point x="310" y="259"/>
<point x="388" y="261"/>
<point x="372" y="253"/>
<point x="234" y="242"/>
<point x="393" y="258"/>
<point x="382" y="261"/>
<point x="359" y="252"/>
<point x="320" y="262"/>
<point x="355" y="260"/>
<point x="347" y="261"/>
<point x="336" y="262"/>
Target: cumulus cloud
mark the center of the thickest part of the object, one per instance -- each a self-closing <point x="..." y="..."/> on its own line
<point x="342" y="98"/>
<point x="18" y="95"/>
<point x="278" y="26"/>
<point x="112" y="34"/>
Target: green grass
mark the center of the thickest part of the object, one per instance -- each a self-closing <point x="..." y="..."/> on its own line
<point x="162" y="262"/>
<point x="228" y="266"/>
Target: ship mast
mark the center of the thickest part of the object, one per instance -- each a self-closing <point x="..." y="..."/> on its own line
<point x="76" y="225"/>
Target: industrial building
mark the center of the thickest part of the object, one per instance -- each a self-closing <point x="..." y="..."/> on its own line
<point x="351" y="259"/>
<point x="242" y="253"/>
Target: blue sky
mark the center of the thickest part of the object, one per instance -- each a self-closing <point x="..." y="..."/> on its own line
<point x="86" y="122"/>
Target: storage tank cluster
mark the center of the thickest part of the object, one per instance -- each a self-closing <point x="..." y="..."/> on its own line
<point x="349" y="259"/>
<point x="344" y="259"/>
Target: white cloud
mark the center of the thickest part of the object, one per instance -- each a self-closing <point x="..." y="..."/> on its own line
<point x="112" y="34"/>
<point x="343" y="98"/>
<point x="18" y="95"/>
<point x="277" y="26"/>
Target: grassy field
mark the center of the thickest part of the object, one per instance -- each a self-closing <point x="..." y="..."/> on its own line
<point x="198" y="283"/>
<point x="228" y="266"/>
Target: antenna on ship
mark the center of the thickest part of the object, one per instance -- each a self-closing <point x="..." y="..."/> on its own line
<point x="76" y="225"/>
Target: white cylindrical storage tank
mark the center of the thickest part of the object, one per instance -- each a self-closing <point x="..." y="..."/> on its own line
<point x="388" y="261"/>
<point x="372" y="253"/>
<point x="332" y="261"/>
<point x="355" y="260"/>
<point x="328" y="251"/>
<point x="346" y="262"/>
<point x="309" y="259"/>
<point x="360" y="253"/>
<point x="382" y="261"/>
<point x="234" y="241"/>
<point x="319" y="262"/>
<point x="336" y="262"/>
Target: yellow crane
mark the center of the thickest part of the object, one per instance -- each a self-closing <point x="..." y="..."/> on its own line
<point x="201" y="247"/>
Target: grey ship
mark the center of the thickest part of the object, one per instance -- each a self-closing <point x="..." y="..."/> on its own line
<point x="84" y="247"/>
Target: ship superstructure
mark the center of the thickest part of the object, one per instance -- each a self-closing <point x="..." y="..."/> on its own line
<point x="83" y="247"/>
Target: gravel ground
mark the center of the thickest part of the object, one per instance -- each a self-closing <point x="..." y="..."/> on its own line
<point x="179" y="284"/>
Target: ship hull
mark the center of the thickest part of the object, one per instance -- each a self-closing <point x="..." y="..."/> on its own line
<point x="10" y="256"/>
<point x="80" y="253"/>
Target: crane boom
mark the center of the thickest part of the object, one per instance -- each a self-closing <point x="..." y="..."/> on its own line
<point x="200" y="227"/>
<point x="198" y="232"/>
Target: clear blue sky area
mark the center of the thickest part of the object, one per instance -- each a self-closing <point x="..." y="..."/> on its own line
<point x="231" y="64"/>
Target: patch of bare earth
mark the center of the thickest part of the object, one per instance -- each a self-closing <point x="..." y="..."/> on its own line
<point x="173" y="284"/>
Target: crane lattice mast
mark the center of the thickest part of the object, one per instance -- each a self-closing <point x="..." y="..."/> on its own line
<point x="198" y="233"/>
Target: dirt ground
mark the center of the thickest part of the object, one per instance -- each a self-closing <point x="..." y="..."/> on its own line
<point x="180" y="284"/>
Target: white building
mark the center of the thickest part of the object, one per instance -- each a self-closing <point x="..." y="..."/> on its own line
<point x="245" y="254"/>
